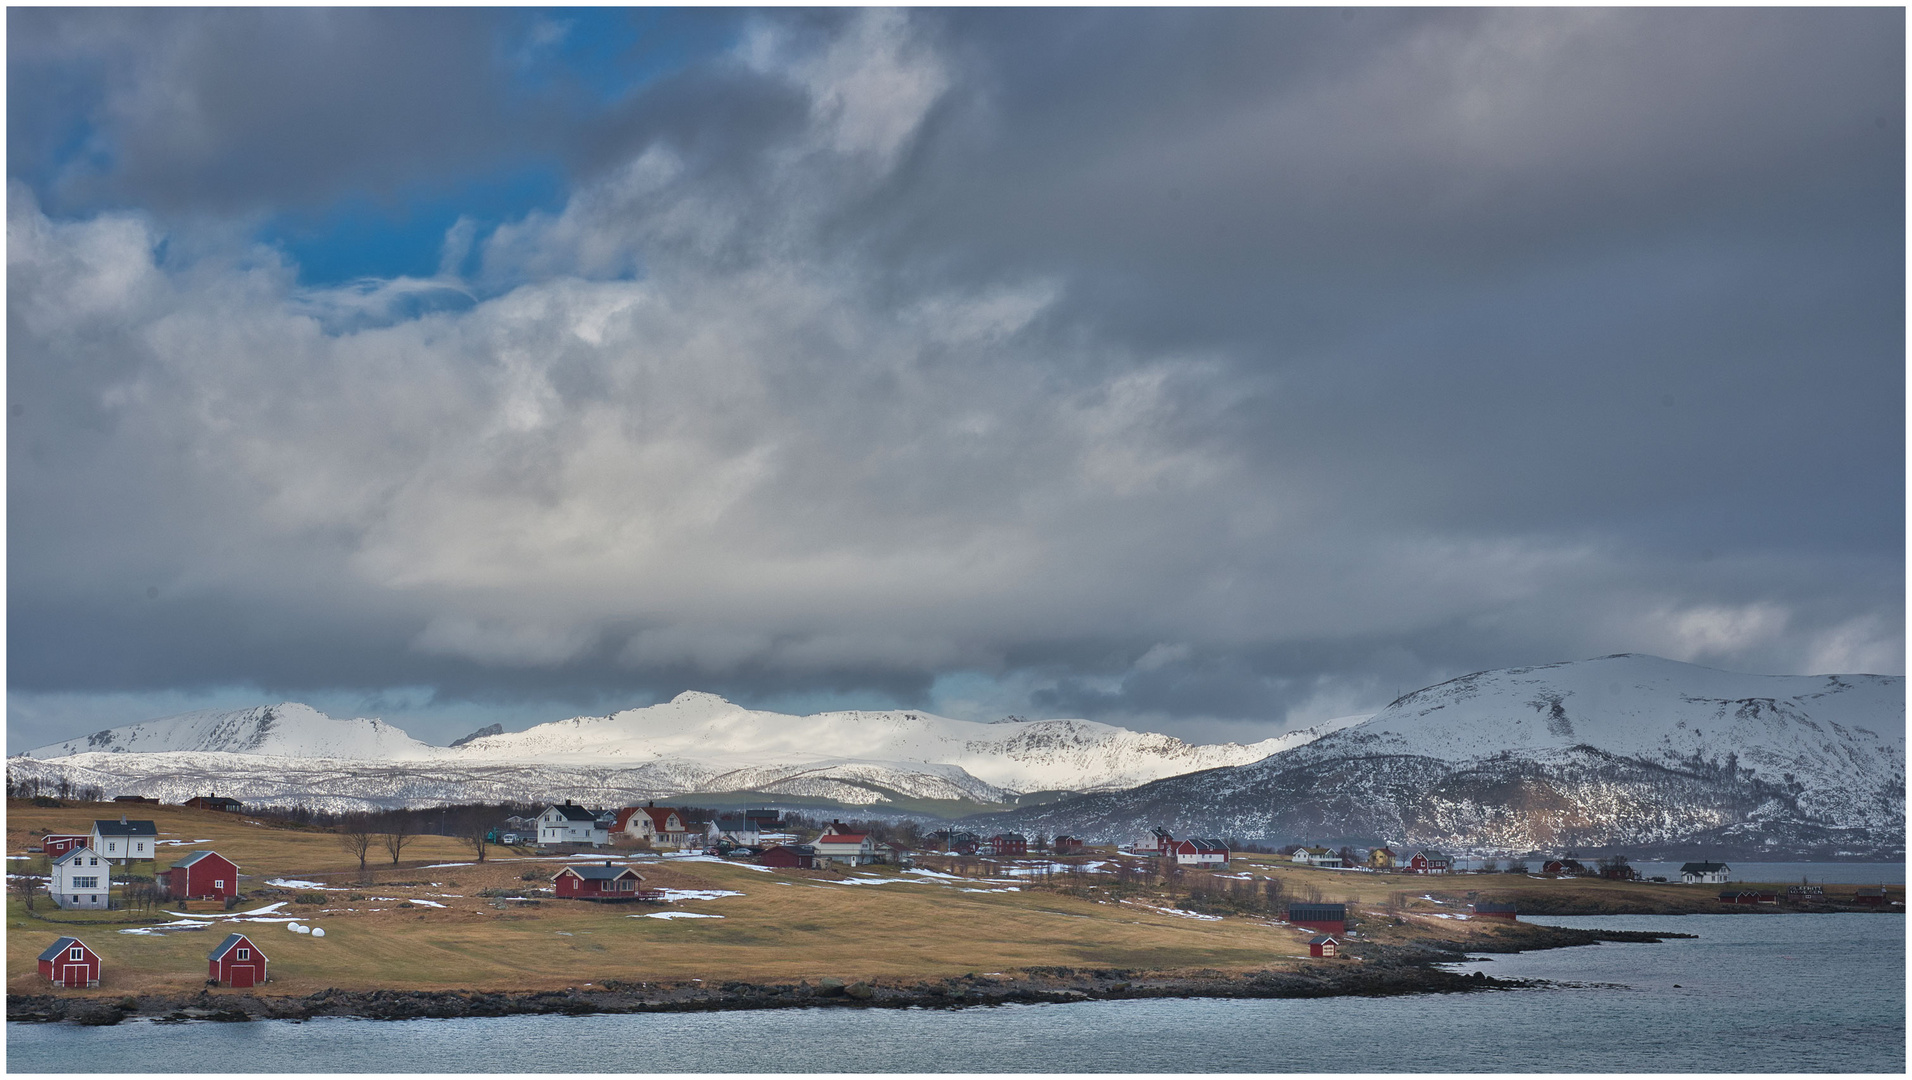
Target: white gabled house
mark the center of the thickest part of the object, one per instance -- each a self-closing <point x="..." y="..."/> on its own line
<point x="856" y="849"/>
<point x="123" y="841"/>
<point x="81" y="878"/>
<point x="1704" y="873"/>
<point x="570" y="824"/>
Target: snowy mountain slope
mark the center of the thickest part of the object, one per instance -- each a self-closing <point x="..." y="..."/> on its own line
<point x="697" y="742"/>
<point x="285" y="730"/>
<point x="1030" y="755"/>
<point x="1619" y="751"/>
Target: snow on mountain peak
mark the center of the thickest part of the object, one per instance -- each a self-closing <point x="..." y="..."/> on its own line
<point x="288" y="729"/>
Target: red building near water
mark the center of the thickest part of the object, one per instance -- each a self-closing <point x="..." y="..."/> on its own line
<point x="237" y="962"/>
<point x="71" y="964"/>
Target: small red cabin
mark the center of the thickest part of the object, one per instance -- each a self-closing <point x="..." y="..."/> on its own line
<point x="203" y="875"/>
<point x="237" y="962"/>
<point x="1324" y="945"/>
<point x="1068" y="845"/>
<point x="607" y="882"/>
<point x="1870" y="895"/>
<point x="71" y="964"/>
<point x="789" y="857"/>
<point x="1430" y="862"/>
<point x="58" y="844"/>
<point x="1488" y="909"/>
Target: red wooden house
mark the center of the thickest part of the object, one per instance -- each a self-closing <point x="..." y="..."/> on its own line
<point x="203" y="875"/>
<point x="1430" y="862"/>
<point x="1068" y="845"/>
<point x="58" y="844"/>
<point x="1008" y="845"/>
<point x="789" y="857"/>
<point x="71" y="964"/>
<point x="1869" y="895"/>
<point x="605" y="882"/>
<point x="1324" y="945"/>
<point x="1489" y="909"/>
<point x="1327" y="918"/>
<point x="237" y="962"/>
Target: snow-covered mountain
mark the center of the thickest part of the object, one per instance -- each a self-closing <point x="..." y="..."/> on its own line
<point x="694" y="743"/>
<point x="1624" y="750"/>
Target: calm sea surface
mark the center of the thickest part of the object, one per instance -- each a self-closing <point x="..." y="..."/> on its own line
<point x="1754" y="993"/>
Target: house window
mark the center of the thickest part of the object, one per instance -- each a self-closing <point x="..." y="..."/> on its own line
<point x="77" y="954"/>
<point x="219" y="883"/>
<point x="114" y="846"/>
<point x="93" y="861"/>
<point x="242" y="954"/>
<point x="86" y="883"/>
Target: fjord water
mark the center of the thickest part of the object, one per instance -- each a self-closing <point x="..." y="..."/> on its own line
<point x="1753" y="993"/>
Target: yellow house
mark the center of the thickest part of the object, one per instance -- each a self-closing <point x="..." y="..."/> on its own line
<point x="1381" y="859"/>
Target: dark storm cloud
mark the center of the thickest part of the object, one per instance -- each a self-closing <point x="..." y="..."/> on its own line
<point x="1203" y="370"/>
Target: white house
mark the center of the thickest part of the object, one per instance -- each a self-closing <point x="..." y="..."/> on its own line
<point x="1316" y="856"/>
<point x="653" y="824"/>
<point x="1200" y="851"/>
<point x="856" y="849"/>
<point x="81" y="878"/>
<point x="1704" y="873"/>
<point x="569" y="824"/>
<point x="122" y="841"/>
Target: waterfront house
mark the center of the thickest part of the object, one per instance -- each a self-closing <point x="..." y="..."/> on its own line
<point x="81" y="878"/>
<point x="1704" y="873"/>
<point x="570" y="824"/>
<point x="123" y="841"/>
<point x="1326" y="918"/>
<point x="1490" y="909"/>
<point x="237" y="962"/>
<point x="1381" y="858"/>
<point x="1870" y="895"/>
<point x="69" y="963"/>
<point x="203" y="875"/>
<point x="607" y="882"/>
<point x="214" y="802"/>
<point x="1803" y="894"/>
<point x="1428" y="861"/>
<point x="1324" y="945"/>
<point x="1200" y="852"/>
<point x="853" y="849"/>
<point x="1748" y="896"/>
<point x="789" y="857"/>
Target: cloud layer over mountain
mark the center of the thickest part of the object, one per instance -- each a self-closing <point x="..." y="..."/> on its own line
<point x="1208" y="371"/>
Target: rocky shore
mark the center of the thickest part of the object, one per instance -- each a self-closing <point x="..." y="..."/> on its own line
<point x="1378" y="971"/>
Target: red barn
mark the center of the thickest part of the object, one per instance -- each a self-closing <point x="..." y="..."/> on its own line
<point x="1324" y="945"/>
<point x="58" y="844"/>
<point x="1488" y="909"/>
<point x="237" y="962"/>
<point x="1870" y="895"/>
<point x="1068" y="845"/>
<point x="605" y="882"/>
<point x="71" y="964"/>
<point x="789" y="857"/>
<point x="1326" y="918"/>
<point x="203" y="875"/>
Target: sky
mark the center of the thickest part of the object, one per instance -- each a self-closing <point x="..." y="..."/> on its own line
<point x="1208" y="372"/>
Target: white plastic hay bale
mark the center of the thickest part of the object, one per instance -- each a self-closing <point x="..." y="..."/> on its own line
<point x="292" y="926"/>
<point x="318" y="931"/>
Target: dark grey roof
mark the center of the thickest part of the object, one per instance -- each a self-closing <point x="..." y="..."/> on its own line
<point x="600" y="873"/>
<point x="1703" y="868"/>
<point x="1317" y="912"/>
<point x="231" y="940"/>
<point x="574" y="813"/>
<point x="125" y="828"/>
<point x="1319" y="938"/>
<point x="193" y="858"/>
<point x="60" y="946"/>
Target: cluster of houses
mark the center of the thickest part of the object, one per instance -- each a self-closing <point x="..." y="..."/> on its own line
<point x="80" y="866"/>
<point x="659" y="826"/>
<point x="1424" y="861"/>
<point x="1204" y="851"/>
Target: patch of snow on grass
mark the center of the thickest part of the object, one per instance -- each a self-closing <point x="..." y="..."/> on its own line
<point x="675" y="915"/>
<point x="428" y="903"/>
<point x="294" y="883"/>
<point x="672" y="896"/>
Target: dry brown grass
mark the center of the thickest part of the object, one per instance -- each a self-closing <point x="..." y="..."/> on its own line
<point x="785" y="926"/>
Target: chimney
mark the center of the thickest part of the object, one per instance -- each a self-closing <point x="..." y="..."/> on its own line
<point x="122" y="817"/>
<point x="567" y="802"/>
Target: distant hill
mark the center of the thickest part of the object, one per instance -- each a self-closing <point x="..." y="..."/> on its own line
<point x="1621" y="751"/>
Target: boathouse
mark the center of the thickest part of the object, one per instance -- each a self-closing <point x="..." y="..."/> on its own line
<point x="1326" y="918"/>
<point x="1324" y="945"/>
<point x="237" y="962"/>
<point x="69" y="963"/>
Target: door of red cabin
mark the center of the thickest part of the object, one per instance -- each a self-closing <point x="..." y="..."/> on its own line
<point x="72" y="975"/>
<point x="241" y="976"/>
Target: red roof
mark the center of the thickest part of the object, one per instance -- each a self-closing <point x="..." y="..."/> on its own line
<point x="842" y="838"/>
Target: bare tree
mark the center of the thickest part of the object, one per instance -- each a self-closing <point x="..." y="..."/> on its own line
<point x="398" y="832"/>
<point x="475" y="831"/>
<point x="355" y="836"/>
<point x="28" y="887"/>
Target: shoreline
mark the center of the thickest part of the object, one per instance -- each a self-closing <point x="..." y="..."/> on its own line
<point x="1377" y="970"/>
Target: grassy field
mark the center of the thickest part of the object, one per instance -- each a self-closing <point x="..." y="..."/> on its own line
<point x="784" y="926"/>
